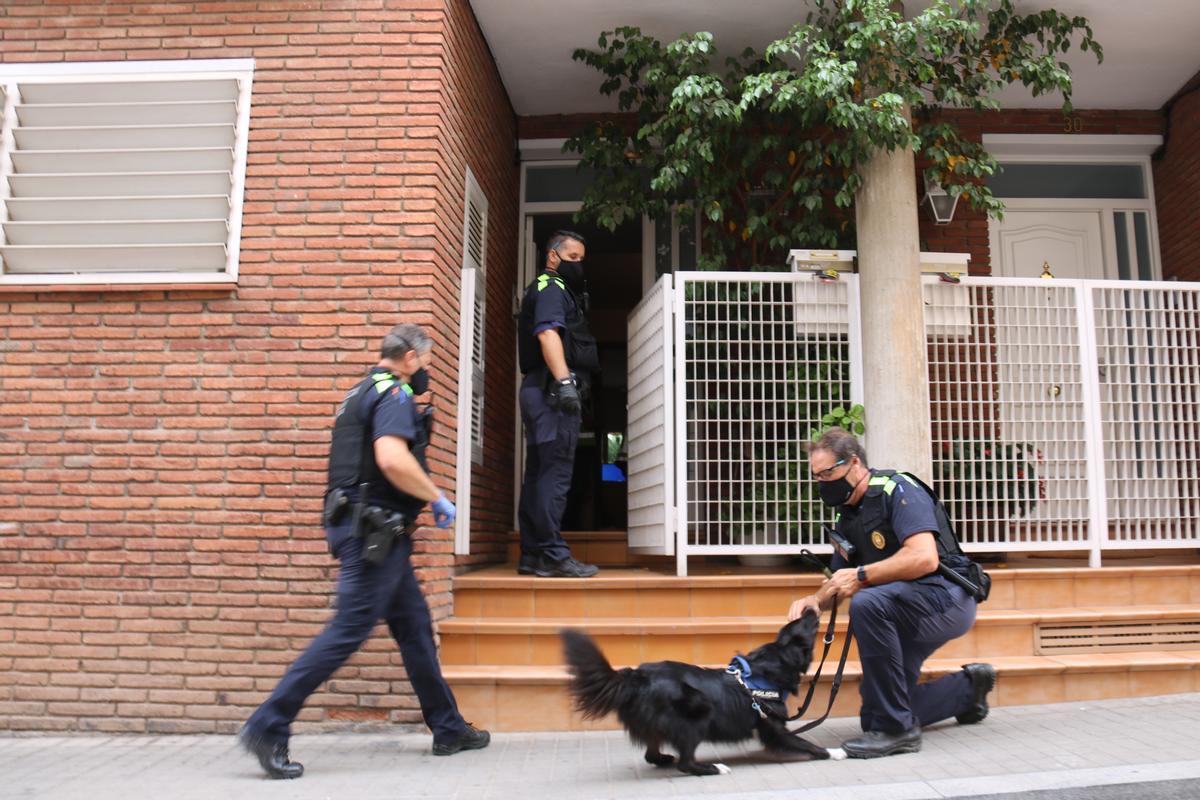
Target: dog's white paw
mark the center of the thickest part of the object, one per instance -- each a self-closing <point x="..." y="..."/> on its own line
<point x="721" y="768"/>
<point x="836" y="753"/>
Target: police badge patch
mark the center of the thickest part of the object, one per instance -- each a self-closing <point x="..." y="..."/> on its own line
<point x="878" y="540"/>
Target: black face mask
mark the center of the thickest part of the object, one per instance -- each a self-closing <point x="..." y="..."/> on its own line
<point x="571" y="272"/>
<point x="419" y="382"/>
<point x="835" y="493"/>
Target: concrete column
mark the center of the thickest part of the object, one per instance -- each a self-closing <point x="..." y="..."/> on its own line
<point x="895" y="368"/>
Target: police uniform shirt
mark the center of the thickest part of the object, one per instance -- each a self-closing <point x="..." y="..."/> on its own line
<point x="908" y="508"/>
<point x="394" y="413"/>
<point x="552" y="306"/>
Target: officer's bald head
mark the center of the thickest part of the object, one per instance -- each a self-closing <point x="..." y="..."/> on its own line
<point x="403" y="338"/>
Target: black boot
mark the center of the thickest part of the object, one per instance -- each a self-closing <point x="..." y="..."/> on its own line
<point x="272" y="755"/>
<point x="470" y="739"/>
<point x="983" y="678"/>
<point x="569" y="567"/>
<point x="874" y="744"/>
<point x="528" y="563"/>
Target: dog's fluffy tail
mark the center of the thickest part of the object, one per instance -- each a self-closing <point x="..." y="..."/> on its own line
<point x="597" y="688"/>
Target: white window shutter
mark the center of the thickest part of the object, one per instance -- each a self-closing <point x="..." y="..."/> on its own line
<point x="475" y="270"/>
<point x="122" y="173"/>
<point x="472" y="339"/>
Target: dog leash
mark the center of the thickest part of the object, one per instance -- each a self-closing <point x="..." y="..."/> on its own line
<point x="828" y="641"/>
<point x="812" y="560"/>
<point x="837" y="677"/>
<point x="764" y="710"/>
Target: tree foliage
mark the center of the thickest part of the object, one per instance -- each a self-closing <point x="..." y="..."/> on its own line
<point x="767" y="146"/>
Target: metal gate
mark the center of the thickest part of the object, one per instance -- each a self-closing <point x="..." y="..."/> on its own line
<point x="1064" y="413"/>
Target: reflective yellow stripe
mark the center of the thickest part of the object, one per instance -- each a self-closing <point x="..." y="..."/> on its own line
<point x="384" y="381"/>
<point x="544" y="280"/>
<point x="887" y="482"/>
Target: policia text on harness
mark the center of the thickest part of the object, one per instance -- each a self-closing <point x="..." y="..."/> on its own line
<point x="352" y="466"/>
<point x="868" y="537"/>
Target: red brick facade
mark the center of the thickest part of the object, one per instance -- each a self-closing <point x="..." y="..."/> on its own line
<point x="1177" y="186"/>
<point x="162" y="452"/>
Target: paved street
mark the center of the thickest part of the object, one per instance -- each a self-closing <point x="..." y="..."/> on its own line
<point x="1023" y="749"/>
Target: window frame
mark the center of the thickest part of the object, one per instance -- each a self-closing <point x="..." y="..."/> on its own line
<point x="239" y="69"/>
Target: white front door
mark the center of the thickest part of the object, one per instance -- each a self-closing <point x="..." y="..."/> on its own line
<point x="1069" y="243"/>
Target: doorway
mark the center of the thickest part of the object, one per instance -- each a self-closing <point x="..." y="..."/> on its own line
<point x="598" y="497"/>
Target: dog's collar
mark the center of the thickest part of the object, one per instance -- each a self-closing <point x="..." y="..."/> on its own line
<point x="756" y="687"/>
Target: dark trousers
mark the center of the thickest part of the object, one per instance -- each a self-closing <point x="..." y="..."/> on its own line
<point x="898" y="625"/>
<point x="550" y="440"/>
<point x="366" y="594"/>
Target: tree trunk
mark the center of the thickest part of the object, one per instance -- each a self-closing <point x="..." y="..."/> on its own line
<point x="895" y="368"/>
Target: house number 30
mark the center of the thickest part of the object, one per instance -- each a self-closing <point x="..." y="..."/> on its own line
<point x="1073" y="124"/>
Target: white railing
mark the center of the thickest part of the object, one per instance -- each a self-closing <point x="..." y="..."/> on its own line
<point x="1065" y="414"/>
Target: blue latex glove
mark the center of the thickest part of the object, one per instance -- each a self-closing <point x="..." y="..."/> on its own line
<point x="443" y="512"/>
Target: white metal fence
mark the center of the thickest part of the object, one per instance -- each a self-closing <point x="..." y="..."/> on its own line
<point x="1064" y="413"/>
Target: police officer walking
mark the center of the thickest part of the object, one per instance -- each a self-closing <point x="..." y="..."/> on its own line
<point x="378" y="485"/>
<point x="891" y="536"/>
<point x="557" y="356"/>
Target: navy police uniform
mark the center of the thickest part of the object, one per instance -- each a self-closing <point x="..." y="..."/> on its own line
<point x="550" y="433"/>
<point x="900" y="624"/>
<point x="378" y="406"/>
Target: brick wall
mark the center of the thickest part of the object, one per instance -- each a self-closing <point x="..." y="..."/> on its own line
<point x="968" y="233"/>
<point x="480" y="129"/>
<point x="1177" y="187"/>
<point x="162" y="453"/>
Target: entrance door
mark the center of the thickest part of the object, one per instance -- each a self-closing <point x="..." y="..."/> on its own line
<point x="1068" y="243"/>
<point x="598" y="496"/>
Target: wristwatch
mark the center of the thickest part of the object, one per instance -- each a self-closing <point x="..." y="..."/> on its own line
<point x="862" y="576"/>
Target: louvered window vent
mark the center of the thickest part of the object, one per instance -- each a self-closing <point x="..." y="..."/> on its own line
<point x="130" y="172"/>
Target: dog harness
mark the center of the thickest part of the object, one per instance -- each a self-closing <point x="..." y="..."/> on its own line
<point x="739" y="668"/>
<point x="756" y="687"/>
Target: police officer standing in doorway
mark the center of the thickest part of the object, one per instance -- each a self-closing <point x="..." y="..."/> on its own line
<point x="911" y="590"/>
<point x="557" y="354"/>
<point x="378" y="485"/>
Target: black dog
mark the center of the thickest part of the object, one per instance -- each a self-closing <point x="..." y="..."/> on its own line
<point x="666" y="702"/>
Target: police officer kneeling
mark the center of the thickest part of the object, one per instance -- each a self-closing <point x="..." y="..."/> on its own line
<point x="898" y="561"/>
<point x="378" y="485"/>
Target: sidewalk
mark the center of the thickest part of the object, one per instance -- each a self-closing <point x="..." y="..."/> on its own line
<point x="1016" y="749"/>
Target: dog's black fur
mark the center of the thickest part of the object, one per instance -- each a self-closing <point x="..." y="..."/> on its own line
<point x="666" y="702"/>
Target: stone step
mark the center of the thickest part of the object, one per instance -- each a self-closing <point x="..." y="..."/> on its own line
<point x="734" y="591"/>
<point x="606" y="548"/>
<point x="712" y="639"/>
<point x="534" y="698"/>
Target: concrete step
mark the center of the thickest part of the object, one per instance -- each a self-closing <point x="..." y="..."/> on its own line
<point x="734" y="591"/>
<point x="606" y="548"/>
<point x="699" y="640"/>
<point x="534" y="698"/>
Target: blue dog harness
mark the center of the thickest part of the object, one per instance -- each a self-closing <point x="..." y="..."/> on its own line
<point x="755" y="686"/>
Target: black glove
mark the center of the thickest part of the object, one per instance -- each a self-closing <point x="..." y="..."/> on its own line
<point x="565" y="395"/>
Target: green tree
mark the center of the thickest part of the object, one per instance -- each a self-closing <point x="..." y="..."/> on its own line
<point x="767" y="147"/>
